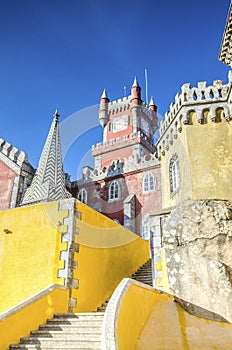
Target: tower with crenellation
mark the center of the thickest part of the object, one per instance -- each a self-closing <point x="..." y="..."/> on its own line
<point x="195" y="226"/>
<point x="194" y="144"/>
<point x="125" y="181"/>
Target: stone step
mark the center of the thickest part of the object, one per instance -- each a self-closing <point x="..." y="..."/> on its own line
<point x="76" y="331"/>
<point x="61" y="336"/>
<point x="68" y="328"/>
<point x="89" y="315"/>
<point x="63" y="341"/>
<point x="75" y="322"/>
<point x="56" y="346"/>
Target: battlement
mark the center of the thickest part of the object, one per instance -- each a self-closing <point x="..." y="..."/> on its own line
<point x="119" y="105"/>
<point x="119" y="142"/>
<point x="13" y="153"/>
<point x="123" y="104"/>
<point x="133" y="163"/>
<point x="199" y="100"/>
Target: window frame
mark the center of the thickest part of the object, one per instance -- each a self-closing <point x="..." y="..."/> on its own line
<point x="174" y="174"/>
<point x="149" y="182"/>
<point x="83" y="195"/>
<point x="113" y="190"/>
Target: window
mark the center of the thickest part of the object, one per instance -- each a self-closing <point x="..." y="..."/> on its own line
<point x="114" y="191"/>
<point x="148" y="183"/>
<point x="145" y="229"/>
<point x="82" y="195"/>
<point x="174" y="174"/>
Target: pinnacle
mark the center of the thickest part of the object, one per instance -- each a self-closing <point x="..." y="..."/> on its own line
<point x="152" y="103"/>
<point x="135" y="84"/>
<point x="56" y="114"/>
<point x="104" y="94"/>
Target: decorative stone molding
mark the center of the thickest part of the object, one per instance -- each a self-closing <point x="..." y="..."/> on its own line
<point x="69" y="231"/>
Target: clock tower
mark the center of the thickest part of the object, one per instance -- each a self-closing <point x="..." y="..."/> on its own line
<point x="129" y="126"/>
<point x="124" y="183"/>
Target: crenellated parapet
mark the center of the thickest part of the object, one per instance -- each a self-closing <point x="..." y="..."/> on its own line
<point x="120" y="142"/>
<point x="120" y="105"/>
<point x="117" y="167"/>
<point x="209" y="104"/>
<point x="13" y="153"/>
<point x="16" y="162"/>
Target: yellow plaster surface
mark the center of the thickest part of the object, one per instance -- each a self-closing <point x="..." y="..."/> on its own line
<point x="134" y="312"/>
<point x="205" y="159"/>
<point x="170" y="327"/>
<point x="30" y="251"/>
<point x="107" y="253"/>
<point x="29" y="317"/>
<point x="150" y="319"/>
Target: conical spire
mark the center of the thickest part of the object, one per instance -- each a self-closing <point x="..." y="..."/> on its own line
<point x="152" y="103"/>
<point x="48" y="183"/>
<point x="135" y="84"/>
<point x="104" y="94"/>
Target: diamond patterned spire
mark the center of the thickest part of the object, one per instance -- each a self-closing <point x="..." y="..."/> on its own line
<point x="48" y="183"/>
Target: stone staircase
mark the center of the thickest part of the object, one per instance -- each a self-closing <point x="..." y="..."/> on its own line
<point x="66" y="331"/>
<point x="75" y="331"/>
<point x="144" y="273"/>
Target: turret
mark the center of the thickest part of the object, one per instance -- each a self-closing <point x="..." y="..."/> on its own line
<point x="136" y="93"/>
<point x="103" y="111"/>
<point x="153" y="108"/>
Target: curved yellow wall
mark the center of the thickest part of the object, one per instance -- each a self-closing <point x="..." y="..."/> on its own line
<point x="107" y="253"/>
<point x="169" y="326"/>
<point x="134" y="312"/>
<point x="150" y="319"/>
<point x="29" y="251"/>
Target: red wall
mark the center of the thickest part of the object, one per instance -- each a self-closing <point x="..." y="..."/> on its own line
<point x="7" y="176"/>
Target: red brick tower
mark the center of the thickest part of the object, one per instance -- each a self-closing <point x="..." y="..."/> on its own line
<point x="129" y="126"/>
<point x="125" y="182"/>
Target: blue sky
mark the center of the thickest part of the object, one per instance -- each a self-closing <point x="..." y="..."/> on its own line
<point x="64" y="53"/>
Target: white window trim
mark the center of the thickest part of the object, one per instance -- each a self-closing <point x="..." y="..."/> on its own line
<point x="109" y="192"/>
<point x="174" y="174"/>
<point x="83" y="196"/>
<point x="149" y="178"/>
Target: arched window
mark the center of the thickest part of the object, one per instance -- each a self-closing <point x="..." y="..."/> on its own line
<point x="82" y="195"/>
<point x="174" y="174"/>
<point x="114" y="191"/>
<point x="145" y="228"/>
<point x="148" y="182"/>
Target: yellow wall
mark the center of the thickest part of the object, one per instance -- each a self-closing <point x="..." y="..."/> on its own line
<point x="134" y="312"/>
<point x="180" y="148"/>
<point x="205" y="158"/>
<point x="29" y="317"/>
<point x="211" y="166"/>
<point x="107" y="253"/>
<point x="171" y="327"/>
<point x="150" y="319"/>
<point x="30" y="252"/>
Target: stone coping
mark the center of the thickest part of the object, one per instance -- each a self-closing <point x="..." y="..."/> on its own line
<point x="109" y="329"/>
<point x="30" y="300"/>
